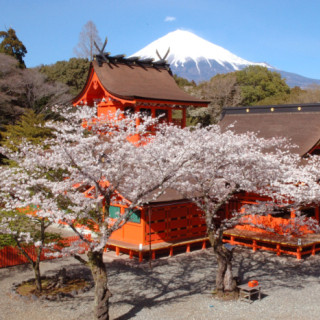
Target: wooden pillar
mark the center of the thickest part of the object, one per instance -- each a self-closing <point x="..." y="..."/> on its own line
<point x="313" y="252"/>
<point x="140" y="256"/>
<point x="299" y="253"/>
<point x="138" y="119"/>
<point x="184" y="117"/>
<point x="227" y="210"/>
<point x="292" y="213"/>
<point x="170" y="115"/>
<point x="254" y="245"/>
<point x="232" y="240"/>
<point x="188" y="248"/>
<point x="153" y="112"/>
<point x="278" y="249"/>
<point x="117" y="251"/>
<point x="153" y="257"/>
<point x="204" y="244"/>
<point x="171" y="252"/>
<point x="316" y="210"/>
<point x="130" y="254"/>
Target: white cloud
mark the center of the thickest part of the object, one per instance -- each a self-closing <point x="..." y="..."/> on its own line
<point x="169" y="19"/>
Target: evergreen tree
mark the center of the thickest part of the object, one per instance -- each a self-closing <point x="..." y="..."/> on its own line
<point x="30" y="127"/>
<point x="11" y="45"/>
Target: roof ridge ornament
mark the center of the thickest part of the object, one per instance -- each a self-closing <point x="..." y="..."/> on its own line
<point x="101" y="51"/>
<point x="164" y="57"/>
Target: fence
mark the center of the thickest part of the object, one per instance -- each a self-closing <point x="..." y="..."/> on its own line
<point x="11" y="256"/>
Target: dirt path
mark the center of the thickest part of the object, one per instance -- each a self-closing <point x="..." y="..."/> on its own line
<point x="179" y="288"/>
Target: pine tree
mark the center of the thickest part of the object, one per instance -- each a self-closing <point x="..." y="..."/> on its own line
<point x="11" y="45"/>
<point x="30" y="127"/>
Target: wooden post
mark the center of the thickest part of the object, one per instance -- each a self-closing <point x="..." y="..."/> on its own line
<point x="313" y="249"/>
<point x="227" y="210"/>
<point x="171" y="252"/>
<point x="130" y="254"/>
<point x="153" y="255"/>
<point x="299" y="253"/>
<point x="317" y="213"/>
<point x="278" y="249"/>
<point x="140" y="256"/>
<point x="232" y="240"/>
<point x="203" y="244"/>
<point x="184" y="117"/>
<point x="188" y="248"/>
<point x="170" y="115"/>
<point x="292" y="213"/>
<point x="117" y="251"/>
<point x="254" y="245"/>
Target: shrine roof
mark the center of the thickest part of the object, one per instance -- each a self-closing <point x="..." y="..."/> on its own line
<point x="299" y="123"/>
<point x="135" y="79"/>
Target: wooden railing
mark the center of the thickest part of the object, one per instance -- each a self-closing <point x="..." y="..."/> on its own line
<point x="11" y="256"/>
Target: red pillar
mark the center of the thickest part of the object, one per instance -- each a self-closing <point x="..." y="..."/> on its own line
<point x="316" y="209"/>
<point x="184" y="117"/>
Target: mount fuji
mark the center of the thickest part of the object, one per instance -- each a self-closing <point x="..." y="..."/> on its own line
<point x="195" y="58"/>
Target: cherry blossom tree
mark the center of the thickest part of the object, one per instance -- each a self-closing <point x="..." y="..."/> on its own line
<point x="229" y="164"/>
<point x="119" y="160"/>
<point x="23" y="229"/>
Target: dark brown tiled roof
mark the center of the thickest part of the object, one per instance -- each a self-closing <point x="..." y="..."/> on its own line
<point x="131" y="79"/>
<point x="300" y="123"/>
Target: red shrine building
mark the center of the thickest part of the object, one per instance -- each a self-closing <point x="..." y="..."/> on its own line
<point x="299" y="123"/>
<point x="145" y="86"/>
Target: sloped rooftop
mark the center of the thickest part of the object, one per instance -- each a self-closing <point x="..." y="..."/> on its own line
<point x="133" y="79"/>
<point x="299" y="123"/>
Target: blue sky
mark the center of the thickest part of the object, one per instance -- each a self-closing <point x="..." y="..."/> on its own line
<point x="283" y="33"/>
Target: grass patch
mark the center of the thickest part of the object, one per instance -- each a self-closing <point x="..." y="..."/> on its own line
<point x="28" y="288"/>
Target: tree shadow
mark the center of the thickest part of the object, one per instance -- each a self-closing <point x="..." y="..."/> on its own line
<point x="169" y="281"/>
<point x="275" y="272"/>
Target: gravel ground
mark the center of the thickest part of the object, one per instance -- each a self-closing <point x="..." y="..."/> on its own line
<point x="178" y="288"/>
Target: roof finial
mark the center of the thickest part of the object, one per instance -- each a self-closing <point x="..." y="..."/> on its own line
<point x="165" y="56"/>
<point x="101" y="51"/>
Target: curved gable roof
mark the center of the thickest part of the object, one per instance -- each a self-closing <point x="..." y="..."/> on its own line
<point x="133" y="80"/>
<point x="300" y="124"/>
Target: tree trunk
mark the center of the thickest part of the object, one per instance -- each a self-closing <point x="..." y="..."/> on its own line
<point x="224" y="277"/>
<point x="37" y="276"/>
<point x="101" y="292"/>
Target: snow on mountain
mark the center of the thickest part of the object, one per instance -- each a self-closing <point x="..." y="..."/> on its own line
<point x="186" y="47"/>
<point x="194" y="58"/>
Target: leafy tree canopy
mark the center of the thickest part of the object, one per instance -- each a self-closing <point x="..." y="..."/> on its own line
<point x="258" y="83"/>
<point x="182" y="82"/>
<point x="249" y="86"/>
<point x="11" y="45"/>
<point x="73" y="73"/>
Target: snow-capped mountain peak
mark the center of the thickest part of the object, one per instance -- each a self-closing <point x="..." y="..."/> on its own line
<point x="194" y="58"/>
<point x="185" y="46"/>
